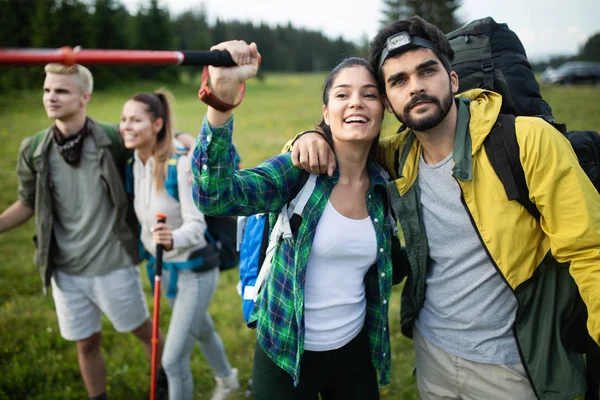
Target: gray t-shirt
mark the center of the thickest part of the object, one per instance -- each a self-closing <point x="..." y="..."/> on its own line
<point x="469" y="310"/>
<point x="84" y="216"/>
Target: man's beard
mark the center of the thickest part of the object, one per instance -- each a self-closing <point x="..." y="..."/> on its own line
<point x="441" y="109"/>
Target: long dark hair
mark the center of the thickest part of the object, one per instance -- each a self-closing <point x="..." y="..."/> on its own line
<point x="346" y="63"/>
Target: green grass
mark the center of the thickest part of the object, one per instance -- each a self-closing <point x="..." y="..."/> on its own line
<point x="36" y="363"/>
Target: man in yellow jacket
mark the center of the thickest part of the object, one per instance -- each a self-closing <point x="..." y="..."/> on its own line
<point x="491" y="291"/>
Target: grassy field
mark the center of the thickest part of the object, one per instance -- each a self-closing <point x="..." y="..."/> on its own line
<point x="36" y="363"/>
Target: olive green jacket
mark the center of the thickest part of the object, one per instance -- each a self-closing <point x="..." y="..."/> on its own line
<point x="35" y="191"/>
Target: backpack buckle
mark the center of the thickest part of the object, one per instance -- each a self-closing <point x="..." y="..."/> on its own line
<point x="289" y="238"/>
<point x="487" y="65"/>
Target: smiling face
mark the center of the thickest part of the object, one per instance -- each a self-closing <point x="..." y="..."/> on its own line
<point x="419" y="91"/>
<point x="138" y="126"/>
<point x="354" y="110"/>
<point x="63" y="99"/>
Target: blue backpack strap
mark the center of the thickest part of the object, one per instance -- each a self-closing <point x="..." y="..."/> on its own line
<point x="199" y="260"/>
<point x="129" y="175"/>
<point x="171" y="181"/>
<point x="174" y="275"/>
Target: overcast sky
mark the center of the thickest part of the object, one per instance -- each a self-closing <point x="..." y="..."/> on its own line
<point x="546" y="27"/>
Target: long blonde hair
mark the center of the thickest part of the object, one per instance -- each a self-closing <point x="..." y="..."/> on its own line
<point x="158" y="106"/>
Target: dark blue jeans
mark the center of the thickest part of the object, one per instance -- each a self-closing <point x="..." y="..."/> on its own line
<point x="343" y="374"/>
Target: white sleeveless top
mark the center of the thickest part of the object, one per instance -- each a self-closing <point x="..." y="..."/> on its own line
<point x="342" y="251"/>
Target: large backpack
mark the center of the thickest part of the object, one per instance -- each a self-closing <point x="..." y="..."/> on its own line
<point x="257" y="242"/>
<point x="220" y="230"/>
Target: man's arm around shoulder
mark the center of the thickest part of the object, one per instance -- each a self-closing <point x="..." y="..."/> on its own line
<point x="312" y="153"/>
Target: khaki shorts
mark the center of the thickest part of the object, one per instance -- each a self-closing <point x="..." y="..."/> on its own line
<point x="80" y="302"/>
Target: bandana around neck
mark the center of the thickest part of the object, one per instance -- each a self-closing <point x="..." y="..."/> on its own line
<point x="70" y="148"/>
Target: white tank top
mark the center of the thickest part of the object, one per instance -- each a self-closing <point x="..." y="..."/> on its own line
<point x="342" y="251"/>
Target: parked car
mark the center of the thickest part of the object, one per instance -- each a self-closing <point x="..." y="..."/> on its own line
<point x="573" y="72"/>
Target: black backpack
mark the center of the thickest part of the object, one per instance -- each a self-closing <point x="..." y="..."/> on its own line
<point x="489" y="55"/>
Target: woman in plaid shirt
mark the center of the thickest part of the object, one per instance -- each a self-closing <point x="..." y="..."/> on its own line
<point x="322" y="317"/>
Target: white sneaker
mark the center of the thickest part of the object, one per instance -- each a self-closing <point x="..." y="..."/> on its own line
<point x="226" y="386"/>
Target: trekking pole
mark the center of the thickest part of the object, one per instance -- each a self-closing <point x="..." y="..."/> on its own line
<point x="70" y="56"/>
<point x="161" y="218"/>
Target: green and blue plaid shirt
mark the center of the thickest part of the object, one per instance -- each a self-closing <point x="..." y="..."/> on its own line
<point x="220" y="189"/>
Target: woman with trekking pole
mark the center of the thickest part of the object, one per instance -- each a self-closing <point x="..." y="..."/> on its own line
<point x="157" y="178"/>
<point x="322" y="314"/>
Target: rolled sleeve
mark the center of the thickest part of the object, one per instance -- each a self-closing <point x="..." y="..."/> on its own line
<point x="216" y="141"/>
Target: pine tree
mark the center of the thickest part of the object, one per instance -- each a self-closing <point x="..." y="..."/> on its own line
<point x="191" y="31"/>
<point x="438" y="12"/>
<point x="153" y="31"/>
<point x="591" y="49"/>
<point x="111" y="23"/>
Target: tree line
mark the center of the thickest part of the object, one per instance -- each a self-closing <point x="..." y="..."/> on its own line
<point x="107" y="24"/>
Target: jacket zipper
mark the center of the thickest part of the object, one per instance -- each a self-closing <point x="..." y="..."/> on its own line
<point x="514" y="328"/>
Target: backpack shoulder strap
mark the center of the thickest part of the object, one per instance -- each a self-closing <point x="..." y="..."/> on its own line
<point x="129" y="175"/>
<point x="36" y="140"/>
<point x="308" y="185"/>
<point x="116" y="146"/>
<point x="171" y="181"/>
<point x="298" y="201"/>
<point x="502" y="150"/>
